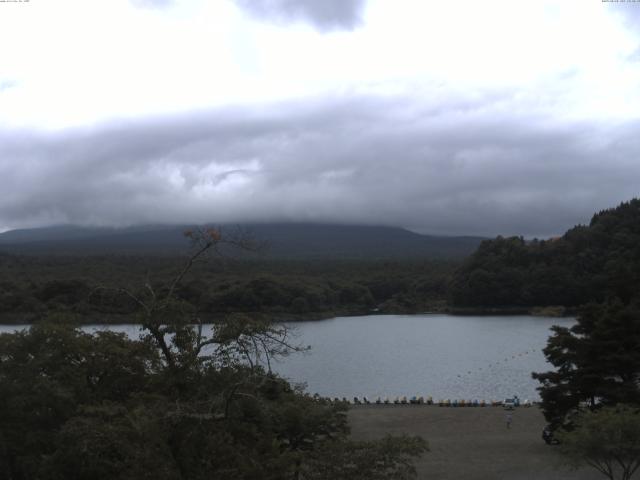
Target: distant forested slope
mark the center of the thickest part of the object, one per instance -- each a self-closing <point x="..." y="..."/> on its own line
<point x="284" y="240"/>
<point x="588" y="263"/>
<point x="35" y="287"/>
<point x="308" y="271"/>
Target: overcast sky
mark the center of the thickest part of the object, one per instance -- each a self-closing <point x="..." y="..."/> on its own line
<point x="477" y="117"/>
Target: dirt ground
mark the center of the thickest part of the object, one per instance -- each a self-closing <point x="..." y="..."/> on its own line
<point x="470" y="443"/>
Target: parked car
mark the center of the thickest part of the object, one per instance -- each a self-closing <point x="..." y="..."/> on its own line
<point x="509" y="404"/>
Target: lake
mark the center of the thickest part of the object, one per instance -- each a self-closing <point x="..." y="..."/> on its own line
<point x="443" y="356"/>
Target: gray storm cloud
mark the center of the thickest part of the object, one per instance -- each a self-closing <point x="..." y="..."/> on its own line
<point x="454" y="169"/>
<point x="323" y="14"/>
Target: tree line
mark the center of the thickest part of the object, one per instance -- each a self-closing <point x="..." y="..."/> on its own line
<point x="589" y="263"/>
<point x="33" y="287"/>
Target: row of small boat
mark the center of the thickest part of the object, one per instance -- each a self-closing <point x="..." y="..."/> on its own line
<point x="424" y="401"/>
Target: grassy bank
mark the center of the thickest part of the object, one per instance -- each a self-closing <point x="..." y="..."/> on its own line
<point x="470" y="443"/>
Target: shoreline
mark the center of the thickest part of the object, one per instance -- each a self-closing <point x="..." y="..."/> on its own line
<point x="30" y="318"/>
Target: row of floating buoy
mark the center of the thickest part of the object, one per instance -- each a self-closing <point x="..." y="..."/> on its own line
<point x="424" y="401"/>
<point x="478" y="403"/>
<point x="497" y="363"/>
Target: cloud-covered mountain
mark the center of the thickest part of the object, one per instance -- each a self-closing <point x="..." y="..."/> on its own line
<point x="301" y="241"/>
<point x="481" y="118"/>
<point x="465" y="169"/>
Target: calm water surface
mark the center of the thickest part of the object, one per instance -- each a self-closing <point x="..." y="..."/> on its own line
<point x="439" y="355"/>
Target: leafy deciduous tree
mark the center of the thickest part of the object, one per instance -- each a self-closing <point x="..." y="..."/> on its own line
<point x="176" y="404"/>
<point x="607" y="440"/>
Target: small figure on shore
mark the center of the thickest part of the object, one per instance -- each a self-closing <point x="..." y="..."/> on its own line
<point x="509" y="419"/>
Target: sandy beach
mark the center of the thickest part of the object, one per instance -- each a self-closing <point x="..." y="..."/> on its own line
<point x="470" y="443"/>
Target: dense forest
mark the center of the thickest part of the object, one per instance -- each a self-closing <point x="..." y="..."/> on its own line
<point x="37" y="287"/>
<point x="589" y="263"/>
<point x="300" y="271"/>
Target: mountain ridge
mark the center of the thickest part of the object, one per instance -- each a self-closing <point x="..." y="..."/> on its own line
<point x="297" y="240"/>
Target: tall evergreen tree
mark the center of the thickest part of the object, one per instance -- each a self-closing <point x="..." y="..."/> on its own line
<point x="597" y="361"/>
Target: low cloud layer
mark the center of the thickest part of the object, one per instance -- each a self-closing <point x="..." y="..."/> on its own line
<point x="322" y="14"/>
<point x="469" y="168"/>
